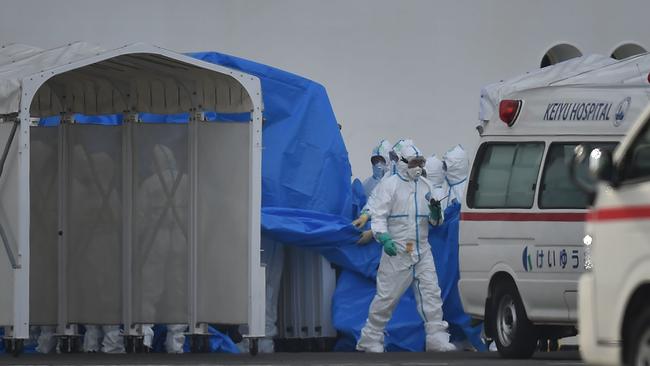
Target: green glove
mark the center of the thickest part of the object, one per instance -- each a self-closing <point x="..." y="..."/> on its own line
<point x="389" y="245"/>
<point x="435" y="212"/>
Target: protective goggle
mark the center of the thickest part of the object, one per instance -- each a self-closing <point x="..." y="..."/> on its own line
<point x="376" y="159"/>
<point x="418" y="161"/>
<point x="393" y="156"/>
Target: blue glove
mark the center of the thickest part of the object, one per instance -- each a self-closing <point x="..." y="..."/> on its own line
<point x="389" y="245"/>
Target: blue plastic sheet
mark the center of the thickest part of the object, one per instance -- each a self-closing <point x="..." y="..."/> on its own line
<point x="218" y="342"/>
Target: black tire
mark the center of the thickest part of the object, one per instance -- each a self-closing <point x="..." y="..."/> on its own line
<point x="253" y="347"/>
<point x="66" y="344"/>
<point x="514" y="334"/>
<point x="128" y="344"/>
<point x="9" y="346"/>
<point x="199" y="343"/>
<point x="139" y="345"/>
<point x="637" y="338"/>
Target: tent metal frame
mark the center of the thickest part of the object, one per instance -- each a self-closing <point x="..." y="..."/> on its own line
<point x="145" y="54"/>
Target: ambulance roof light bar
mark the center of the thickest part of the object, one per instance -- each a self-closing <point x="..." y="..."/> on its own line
<point x="509" y="111"/>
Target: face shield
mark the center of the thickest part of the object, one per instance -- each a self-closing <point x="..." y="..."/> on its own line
<point x="417" y="161"/>
<point x="377" y="159"/>
<point x="415" y="166"/>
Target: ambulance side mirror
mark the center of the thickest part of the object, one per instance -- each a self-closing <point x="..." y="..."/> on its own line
<point x="601" y="165"/>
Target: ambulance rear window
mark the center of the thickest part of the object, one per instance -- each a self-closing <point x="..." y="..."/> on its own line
<point x="505" y="175"/>
<point x="557" y="189"/>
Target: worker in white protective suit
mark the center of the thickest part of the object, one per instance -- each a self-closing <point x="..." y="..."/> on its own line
<point x="436" y="176"/>
<point x="273" y="260"/>
<point x="401" y="213"/>
<point x="162" y="217"/>
<point x="364" y="216"/>
<point x="94" y="188"/>
<point x="379" y="160"/>
<point x="381" y="168"/>
<point x="456" y="169"/>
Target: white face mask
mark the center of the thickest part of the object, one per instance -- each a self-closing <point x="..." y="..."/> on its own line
<point x="414" y="173"/>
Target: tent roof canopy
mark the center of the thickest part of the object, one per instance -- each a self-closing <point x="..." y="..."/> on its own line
<point x="82" y="78"/>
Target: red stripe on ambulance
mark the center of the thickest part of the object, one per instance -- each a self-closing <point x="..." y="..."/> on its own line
<point x="620" y="213"/>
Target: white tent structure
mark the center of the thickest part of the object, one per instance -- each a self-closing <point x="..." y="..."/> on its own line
<point x="129" y="224"/>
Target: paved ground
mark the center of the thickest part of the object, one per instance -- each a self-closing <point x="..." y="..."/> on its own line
<point x="297" y="359"/>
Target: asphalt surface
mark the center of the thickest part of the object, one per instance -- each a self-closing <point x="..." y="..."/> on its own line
<point x="565" y="358"/>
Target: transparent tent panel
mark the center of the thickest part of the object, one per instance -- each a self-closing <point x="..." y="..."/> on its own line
<point x="95" y="213"/>
<point x="94" y="226"/>
<point x="223" y="233"/>
<point x="160" y="230"/>
<point x="44" y="225"/>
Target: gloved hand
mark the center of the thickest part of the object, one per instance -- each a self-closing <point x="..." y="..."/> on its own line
<point x="365" y="238"/>
<point x="435" y="212"/>
<point x="361" y="221"/>
<point x="389" y="245"/>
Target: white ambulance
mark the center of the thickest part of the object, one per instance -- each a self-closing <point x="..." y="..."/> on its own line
<point x="614" y="298"/>
<point x="522" y="222"/>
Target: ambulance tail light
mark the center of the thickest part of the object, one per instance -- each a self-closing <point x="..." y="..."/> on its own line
<point x="509" y="111"/>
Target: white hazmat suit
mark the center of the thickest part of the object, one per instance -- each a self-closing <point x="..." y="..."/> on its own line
<point x="400" y="211"/>
<point x="392" y="170"/>
<point x="104" y="338"/>
<point x="436" y="176"/>
<point x="379" y="168"/>
<point x="167" y="242"/>
<point x="273" y="259"/>
<point x="457" y="164"/>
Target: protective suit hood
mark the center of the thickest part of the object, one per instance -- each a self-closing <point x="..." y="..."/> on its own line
<point x="403" y="150"/>
<point x="436" y="175"/>
<point x="457" y="165"/>
<point x="163" y="158"/>
<point x="382" y="150"/>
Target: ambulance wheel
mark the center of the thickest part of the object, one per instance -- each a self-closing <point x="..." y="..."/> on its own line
<point x="253" y="346"/>
<point x="514" y="334"/>
<point x="638" y="341"/>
